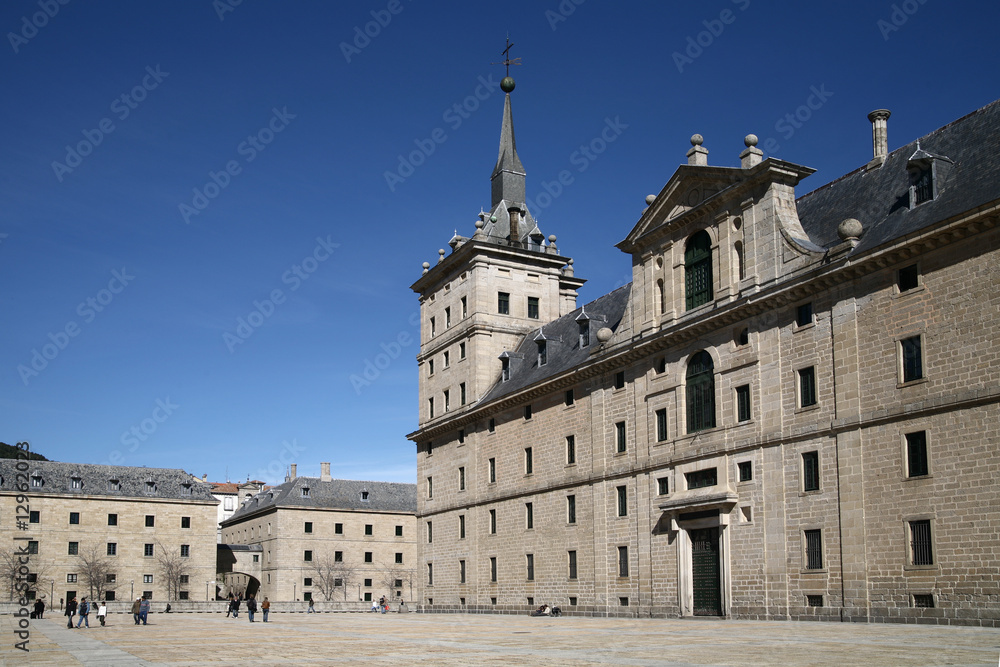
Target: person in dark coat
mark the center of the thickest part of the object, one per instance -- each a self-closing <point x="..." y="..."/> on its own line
<point x="135" y="609"/>
<point x="251" y="607"/>
<point x="39" y="608"/>
<point x="70" y="612"/>
<point x="236" y="607"/>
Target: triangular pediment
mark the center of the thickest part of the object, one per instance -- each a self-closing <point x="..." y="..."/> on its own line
<point x="690" y="187"/>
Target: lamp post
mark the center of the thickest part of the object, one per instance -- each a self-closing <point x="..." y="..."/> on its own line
<point x="131" y="588"/>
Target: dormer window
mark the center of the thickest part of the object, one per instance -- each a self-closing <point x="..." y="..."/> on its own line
<point x="364" y="496"/>
<point x="922" y="185"/>
<point x="114" y="485"/>
<point x="186" y="490"/>
<point x="504" y="369"/>
<point x="305" y="491"/>
<point x="150" y="486"/>
<point x="75" y="483"/>
<point x="543" y="355"/>
<point x="926" y="172"/>
<point x="36" y="481"/>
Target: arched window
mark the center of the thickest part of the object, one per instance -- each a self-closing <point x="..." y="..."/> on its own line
<point x="661" y="297"/>
<point x="741" y="270"/>
<point x="698" y="270"/>
<point x="700" y="392"/>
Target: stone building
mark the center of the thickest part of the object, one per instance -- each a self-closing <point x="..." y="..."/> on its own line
<point x="326" y="539"/>
<point x="112" y="532"/>
<point x="230" y="495"/>
<point x="790" y="412"/>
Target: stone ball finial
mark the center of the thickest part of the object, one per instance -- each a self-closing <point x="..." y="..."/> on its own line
<point x="650" y="199"/>
<point x="570" y="262"/>
<point x="480" y="224"/>
<point x="507" y="84"/>
<point x="441" y="251"/>
<point x="426" y="265"/>
<point x="604" y="334"/>
<point x="552" y="238"/>
<point x="850" y="228"/>
<point x="697" y="140"/>
<point x="750" y="140"/>
<point x="493" y="218"/>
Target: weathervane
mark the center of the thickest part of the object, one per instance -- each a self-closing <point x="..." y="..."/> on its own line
<point x="507" y="84"/>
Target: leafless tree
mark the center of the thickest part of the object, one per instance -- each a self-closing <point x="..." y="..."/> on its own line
<point x="173" y="567"/>
<point x="15" y="570"/>
<point x="395" y="579"/>
<point x="330" y="574"/>
<point x="94" y="568"/>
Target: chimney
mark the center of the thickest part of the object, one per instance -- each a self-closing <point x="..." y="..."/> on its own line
<point x="324" y="474"/>
<point x="204" y="477"/>
<point x="292" y="471"/>
<point x="698" y="155"/>
<point x="880" y="136"/>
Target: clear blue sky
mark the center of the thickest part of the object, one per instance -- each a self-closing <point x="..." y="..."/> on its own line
<point x="138" y="299"/>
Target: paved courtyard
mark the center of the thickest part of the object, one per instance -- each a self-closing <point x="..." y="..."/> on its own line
<point x="446" y="639"/>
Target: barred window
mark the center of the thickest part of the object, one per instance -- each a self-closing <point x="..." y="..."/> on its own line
<point x="810" y="471"/>
<point x="814" y="549"/>
<point x="700" y="392"/>
<point x="807" y="387"/>
<point x="920" y="542"/>
<point x="698" y="270"/>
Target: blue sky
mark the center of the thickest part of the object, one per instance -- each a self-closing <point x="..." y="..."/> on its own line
<point x="170" y="169"/>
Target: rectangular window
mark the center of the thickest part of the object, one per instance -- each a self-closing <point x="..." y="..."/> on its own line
<point x="308" y="527"/>
<point x="447" y="317"/>
<point x="399" y="557"/>
<point x="746" y="470"/>
<point x="814" y="600"/>
<point x="34" y="516"/>
<point x="570" y="509"/>
<point x="430" y="408"/>
<point x="185" y="551"/>
<point x="430" y="487"/>
<point x="461" y="571"/>
<point x="503" y="303"/>
<point x="572" y="564"/>
<point x="74" y="518"/>
<point x="461" y="478"/>
<point x="430" y="532"/>
<point x="570" y="449"/>
<point x="369" y="529"/>
<point x="461" y="350"/>
<point x="74" y="548"/>
<point x="620" y="380"/>
<point x="493" y="522"/>
<point x="622" y="501"/>
<point x="338" y="528"/>
<point x="430" y="574"/>
<point x="814" y="549"/>
<point x="622" y="561"/>
<point x="112" y="548"/>
<point x="663" y="486"/>
<point x="743" y="403"/>
<point x="150" y="520"/>
<point x="447" y="358"/>
<point x="570" y="399"/>
<point x="533" y="307"/>
<point x="70" y="578"/>
<point x="430" y="367"/>
<point x="368" y="556"/>
<point x="307" y="555"/>
<point x="147" y="550"/>
<point x="912" y="364"/>
<point x="112" y="519"/>
<point x="543" y="353"/>
<point x="528" y="461"/>
<point x="925" y="600"/>
<point x="916" y="454"/>
<point x="447" y="400"/>
<point x="338" y="556"/>
<point x="807" y="387"/>
<point x="493" y="471"/>
<point x="461" y="526"/>
<point x="529" y="516"/>
<point x="661" y="424"/>
<point x="33" y="547"/>
<point x="530" y="562"/>
<point x="504" y="369"/>
<point x="112" y="578"/>
<point x="527" y="412"/>
<point x="804" y="314"/>
<point x="810" y="471"/>
<point x="620" y="437"/>
<point x="908" y="278"/>
<point x="461" y="392"/>
<point x="461" y="436"/>
<point x="185" y="522"/>
<point x="700" y="479"/>
<point x="399" y="531"/>
<point x="493" y="571"/>
<point x="307" y="581"/>
<point x="433" y="327"/>
<point x="492" y="425"/>
<point x="920" y="543"/>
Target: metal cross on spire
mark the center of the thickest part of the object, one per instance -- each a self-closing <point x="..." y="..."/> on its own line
<point x="507" y="60"/>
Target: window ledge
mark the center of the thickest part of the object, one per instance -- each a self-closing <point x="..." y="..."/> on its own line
<point x="913" y="290"/>
<point x="911" y="383"/>
<point x="918" y="478"/>
<point x="920" y="568"/>
<point x="798" y="328"/>
<point x="822" y="570"/>
<point x="808" y="408"/>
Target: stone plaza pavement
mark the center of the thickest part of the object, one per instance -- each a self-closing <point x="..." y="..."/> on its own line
<point x="467" y="639"/>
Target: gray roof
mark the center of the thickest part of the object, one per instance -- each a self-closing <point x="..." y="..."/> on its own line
<point x="562" y="339"/>
<point x="968" y="154"/>
<point x="96" y="480"/>
<point x="344" y="494"/>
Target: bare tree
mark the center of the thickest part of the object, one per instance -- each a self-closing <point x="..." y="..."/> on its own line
<point x="173" y="567"/>
<point x="15" y="567"/>
<point x="330" y="574"/>
<point x="94" y="568"/>
<point x="395" y="579"/>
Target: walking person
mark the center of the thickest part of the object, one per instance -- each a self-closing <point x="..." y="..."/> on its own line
<point x="102" y="613"/>
<point x="265" y="607"/>
<point x="39" y="607"/>
<point x="251" y="607"/>
<point x="143" y="610"/>
<point x="229" y="606"/>
<point x="84" y="610"/>
<point x="311" y="609"/>
<point x="236" y="607"/>
<point x="70" y="612"/>
<point x="135" y="609"/>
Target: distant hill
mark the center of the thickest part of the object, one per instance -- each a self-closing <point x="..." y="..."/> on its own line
<point x="10" y="452"/>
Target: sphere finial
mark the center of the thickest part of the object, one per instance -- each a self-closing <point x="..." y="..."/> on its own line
<point x="507" y="84"/>
<point x="697" y="140"/>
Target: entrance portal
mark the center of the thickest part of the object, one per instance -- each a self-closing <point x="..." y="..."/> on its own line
<point x="705" y="574"/>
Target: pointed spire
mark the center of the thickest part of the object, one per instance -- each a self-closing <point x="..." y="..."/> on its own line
<point x="508" y="174"/>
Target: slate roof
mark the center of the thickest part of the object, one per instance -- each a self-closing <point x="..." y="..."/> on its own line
<point x="563" y="349"/>
<point x="57" y="479"/>
<point x="335" y="494"/>
<point x="879" y="197"/>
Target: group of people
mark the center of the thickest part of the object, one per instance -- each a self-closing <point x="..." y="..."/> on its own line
<point x="546" y="610"/>
<point x="382" y="605"/>
<point x="83" y="608"/>
<point x="140" y="610"/>
<point x="233" y="607"/>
